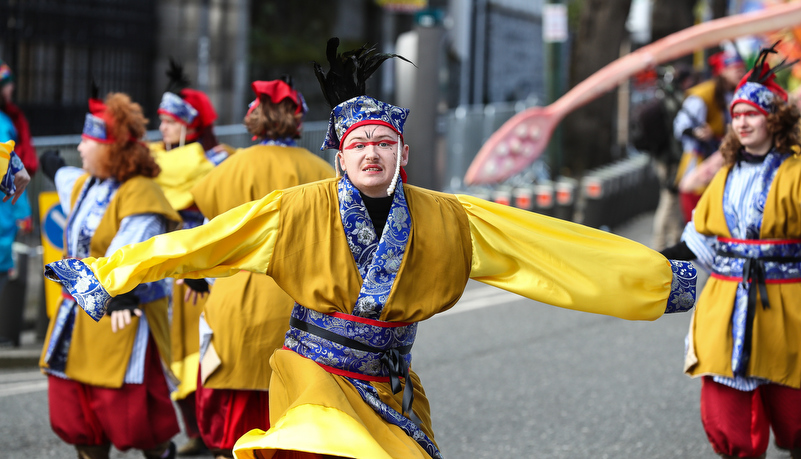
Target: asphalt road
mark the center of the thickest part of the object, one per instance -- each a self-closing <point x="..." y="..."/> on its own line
<point x="507" y="378"/>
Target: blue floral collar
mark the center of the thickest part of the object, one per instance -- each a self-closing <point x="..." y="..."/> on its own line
<point x="378" y="260"/>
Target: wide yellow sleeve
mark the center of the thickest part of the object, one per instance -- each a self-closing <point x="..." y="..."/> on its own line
<point x="565" y="264"/>
<point x="240" y="239"/>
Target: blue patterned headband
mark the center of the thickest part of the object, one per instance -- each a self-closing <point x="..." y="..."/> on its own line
<point x="172" y="104"/>
<point x="755" y="95"/>
<point x="94" y="128"/>
<point x="359" y="111"/>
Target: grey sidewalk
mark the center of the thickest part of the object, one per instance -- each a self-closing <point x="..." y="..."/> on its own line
<point x="27" y="355"/>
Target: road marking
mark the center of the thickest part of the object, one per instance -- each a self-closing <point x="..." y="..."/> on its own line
<point x="7" y="390"/>
<point x="479" y="298"/>
<point x="21" y="376"/>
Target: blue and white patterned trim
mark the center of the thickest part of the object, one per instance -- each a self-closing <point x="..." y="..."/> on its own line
<point x="172" y="104"/>
<point x="282" y="142"/>
<point x="379" y="260"/>
<point x="336" y="355"/>
<point x="773" y="269"/>
<point x="370" y="396"/>
<point x="7" y="183"/>
<point x="81" y="283"/>
<point x="60" y="338"/>
<point x="755" y="95"/>
<point x="95" y="128"/>
<point x="358" y="109"/>
<point x="682" y="289"/>
<point x="325" y="352"/>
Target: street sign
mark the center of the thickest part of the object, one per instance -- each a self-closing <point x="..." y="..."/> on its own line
<point x="53" y="221"/>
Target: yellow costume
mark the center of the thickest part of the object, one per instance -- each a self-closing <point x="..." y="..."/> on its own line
<point x="181" y="169"/>
<point x="296" y="237"/>
<point x="236" y="354"/>
<point x="98" y="356"/>
<point x="715" y="118"/>
<point x="776" y="330"/>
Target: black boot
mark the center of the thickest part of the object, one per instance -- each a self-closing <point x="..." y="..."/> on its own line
<point x="159" y="451"/>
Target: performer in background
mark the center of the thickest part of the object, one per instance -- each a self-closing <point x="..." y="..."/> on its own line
<point x="702" y="121"/>
<point x="187" y="152"/>
<point x="24" y="148"/>
<point x="14" y="215"/>
<point x="247" y="315"/>
<point x="106" y="380"/>
<point x="366" y="257"/>
<point x="747" y="231"/>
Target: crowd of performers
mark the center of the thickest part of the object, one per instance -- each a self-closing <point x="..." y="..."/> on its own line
<point x="312" y="282"/>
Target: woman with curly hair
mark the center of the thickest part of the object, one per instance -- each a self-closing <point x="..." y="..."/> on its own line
<point x="106" y="381"/>
<point x="746" y="331"/>
<point x="232" y="395"/>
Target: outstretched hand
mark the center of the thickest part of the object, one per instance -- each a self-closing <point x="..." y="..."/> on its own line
<point x="21" y="180"/>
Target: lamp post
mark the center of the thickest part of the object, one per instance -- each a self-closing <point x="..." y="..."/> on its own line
<point x="554" y="34"/>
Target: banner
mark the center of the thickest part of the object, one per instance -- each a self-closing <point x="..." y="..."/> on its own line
<point x="52" y="221"/>
<point x="405" y="6"/>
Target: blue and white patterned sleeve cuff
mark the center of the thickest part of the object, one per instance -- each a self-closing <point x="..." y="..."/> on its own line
<point x="682" y="289"/>
<point x="7" y="181"/>
<point x="82" y="284"/>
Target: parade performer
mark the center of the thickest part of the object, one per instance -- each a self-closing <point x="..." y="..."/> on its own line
<point x="106" y="381"/>
<point x="24" y="147"/>
<point x="13" y="215"/>
<point x="247" y="315"/>
<point x="702" y="120"/>
<point x="366" y="257"/>
<point x="14" y="178"/>
<point x="745" y="334"/>
<point x="187" y="152"/>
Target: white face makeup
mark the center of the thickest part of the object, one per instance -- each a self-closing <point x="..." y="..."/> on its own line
<point x="369" y="155"/>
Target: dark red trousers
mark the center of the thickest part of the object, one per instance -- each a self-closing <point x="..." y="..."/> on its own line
<point x="139" y="416"/>
<point x="688" y="201"/>
<point x="738" y="423"/>
<point x="224" y="415"/>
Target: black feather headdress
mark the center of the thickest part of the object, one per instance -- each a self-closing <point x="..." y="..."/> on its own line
<point x="178" y="80"/>
<point x="762" y="72"/>
<point x="348" y="71"/>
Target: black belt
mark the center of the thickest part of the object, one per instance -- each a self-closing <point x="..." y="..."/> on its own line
<point x="754" y="272"/>
<point x="391" y="358"/>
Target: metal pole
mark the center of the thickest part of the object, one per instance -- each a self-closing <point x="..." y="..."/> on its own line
<point x="203" y="44"/>
<point x="387" y="46"/>
<point x="480" y="34"/>
<point x="554" y="77"/>
<point x="241" y="62"/>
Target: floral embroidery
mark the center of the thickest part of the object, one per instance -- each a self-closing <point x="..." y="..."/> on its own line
<point x="749" y="226"/>
<point x="682" y="289"/>
<point x="338" y="356"/>
<point x="82" y="284"/>
<point x="379" y="260"/>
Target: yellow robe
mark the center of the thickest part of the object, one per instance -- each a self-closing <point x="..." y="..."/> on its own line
<point x="452" y="238"/>
<point x="98" y="356"/>
<point x="181" y="169"/>
<point x="248" y="312"/>
<point x="776" y="339"/>
<point x="715" y="118"/>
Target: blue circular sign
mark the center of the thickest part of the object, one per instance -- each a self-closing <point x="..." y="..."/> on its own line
<point x="53" y="227"/>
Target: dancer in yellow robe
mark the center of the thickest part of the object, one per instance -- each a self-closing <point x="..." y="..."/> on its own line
<point x="366" y="257"/>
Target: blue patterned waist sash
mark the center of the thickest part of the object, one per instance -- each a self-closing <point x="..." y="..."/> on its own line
<point x="760" y="262"/>
<point x="772" y="261"/>
<point x="356" y="347"/>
